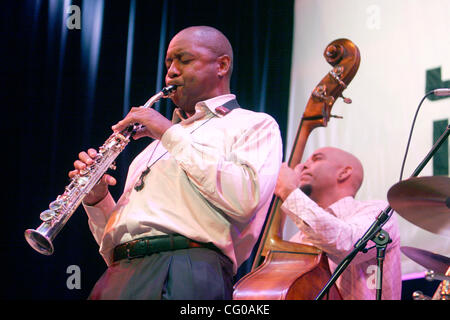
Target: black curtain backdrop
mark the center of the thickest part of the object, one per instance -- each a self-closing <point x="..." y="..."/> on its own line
<point x="62" y="89"/>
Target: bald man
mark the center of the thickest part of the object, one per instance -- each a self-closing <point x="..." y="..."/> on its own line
<point x="196" y="198"/>
<point x="319" y="196"/>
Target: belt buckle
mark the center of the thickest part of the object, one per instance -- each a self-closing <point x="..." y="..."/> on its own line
<point x="137" y="250"/>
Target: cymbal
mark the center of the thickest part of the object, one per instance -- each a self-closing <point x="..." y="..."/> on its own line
<point x="423" y="201"/>
<point x="432" y="261"/>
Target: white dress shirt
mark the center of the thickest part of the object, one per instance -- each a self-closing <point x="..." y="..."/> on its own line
<point x="211" y="180"/>
<point x="336" y="230"/>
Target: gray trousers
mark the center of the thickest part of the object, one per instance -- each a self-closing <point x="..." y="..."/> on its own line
<point x="188" y="274"/>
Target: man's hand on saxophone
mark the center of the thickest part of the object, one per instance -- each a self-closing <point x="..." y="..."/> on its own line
<point x="154" y="124"/>
<point x="100" y="191"/>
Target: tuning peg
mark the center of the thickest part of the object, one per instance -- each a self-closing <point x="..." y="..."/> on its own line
<point x="335" y="116"/>
<point x="346" y="100"/>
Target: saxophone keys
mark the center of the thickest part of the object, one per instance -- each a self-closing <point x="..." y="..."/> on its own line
<point x="82" y="181"/>
<point x="113" y="166"/>
<point x="84" y="172"/>
<point x="55" y="205"/>
<point x="47" y="215"/>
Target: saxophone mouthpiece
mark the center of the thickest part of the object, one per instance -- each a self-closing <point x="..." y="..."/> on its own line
<point x="167" y="91"/>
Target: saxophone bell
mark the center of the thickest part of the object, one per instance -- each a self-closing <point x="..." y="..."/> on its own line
<point x="39" y="240"/>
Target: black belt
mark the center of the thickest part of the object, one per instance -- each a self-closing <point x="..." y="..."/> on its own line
<point x="149" y="245"/>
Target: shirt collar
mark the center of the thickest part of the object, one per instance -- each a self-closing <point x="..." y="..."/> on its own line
<point x="213" y="103"/>
<point x="209" y="106"/>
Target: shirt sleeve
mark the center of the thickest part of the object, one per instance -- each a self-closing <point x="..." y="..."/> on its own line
<point x="236" y="180"/>
<point x="98" y="216"/>
<point x="331" y="234"/>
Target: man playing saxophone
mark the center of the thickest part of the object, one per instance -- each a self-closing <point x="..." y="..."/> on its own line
<point x="196" y="198"/>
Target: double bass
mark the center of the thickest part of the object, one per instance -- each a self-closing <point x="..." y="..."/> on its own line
<point x="284" y="270"/>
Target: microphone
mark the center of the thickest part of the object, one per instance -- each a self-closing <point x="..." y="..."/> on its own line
<point x="440" y="92"/>
<point x="443" y="92"/>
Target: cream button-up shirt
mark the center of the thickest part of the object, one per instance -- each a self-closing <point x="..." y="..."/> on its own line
<point x="210" y="179"/>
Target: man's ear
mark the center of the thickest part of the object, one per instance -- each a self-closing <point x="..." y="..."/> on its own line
<point x="224" y="65"/>
<point x="344" y="173"/>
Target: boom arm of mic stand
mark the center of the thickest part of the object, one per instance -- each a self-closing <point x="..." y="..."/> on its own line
<point x="379" y="222"/>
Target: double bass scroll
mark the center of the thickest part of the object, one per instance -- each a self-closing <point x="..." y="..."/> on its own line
<point x="284" y="269"/>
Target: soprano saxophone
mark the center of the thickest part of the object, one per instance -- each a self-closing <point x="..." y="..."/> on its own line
<point x="61" y="209"/>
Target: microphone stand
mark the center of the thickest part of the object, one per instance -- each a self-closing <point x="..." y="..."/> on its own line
<point x="377" y="234"/>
